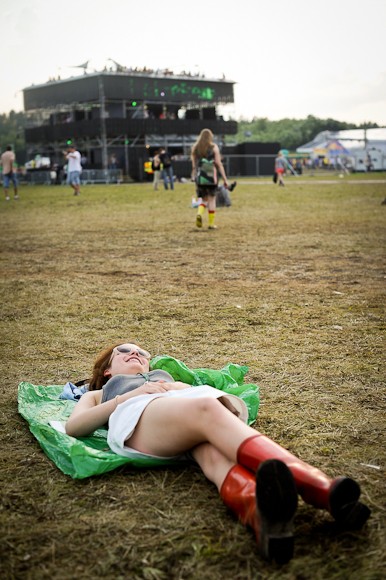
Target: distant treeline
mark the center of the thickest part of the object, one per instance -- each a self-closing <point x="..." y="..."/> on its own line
<point x="12" y="133"/>
<point x="290" y="133"/>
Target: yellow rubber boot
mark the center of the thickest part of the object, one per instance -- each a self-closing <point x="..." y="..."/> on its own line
<point x="211" y="215"/>
<point x="200" y="213"/>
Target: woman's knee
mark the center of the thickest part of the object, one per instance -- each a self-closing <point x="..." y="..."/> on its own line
<point x="206" y="411"/>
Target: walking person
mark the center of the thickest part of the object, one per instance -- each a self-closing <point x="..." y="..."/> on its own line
<point x="280" y="167"/>
<point x="150" y="414"/>
<point x="74" y="168"/>
<point x="167" y="169"/>
<point x="9" y="172"/>
<point x="156" y="167"/>
<point x="206" y="164"/>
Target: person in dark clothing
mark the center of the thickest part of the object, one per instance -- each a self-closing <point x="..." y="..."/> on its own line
<point x="166" y="169"/>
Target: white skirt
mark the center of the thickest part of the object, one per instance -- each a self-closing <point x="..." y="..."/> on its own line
<point x="124" y="419"/>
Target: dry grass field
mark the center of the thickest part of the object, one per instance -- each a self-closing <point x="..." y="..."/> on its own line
<point x="292" y="284"/>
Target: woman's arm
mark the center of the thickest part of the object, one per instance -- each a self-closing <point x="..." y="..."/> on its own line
<point x="193" y="175"/>
<point x="90" y="414"/>
<point x="219" y="165"/>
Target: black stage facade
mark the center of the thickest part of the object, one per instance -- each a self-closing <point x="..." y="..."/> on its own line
<point x="124" y="115"/>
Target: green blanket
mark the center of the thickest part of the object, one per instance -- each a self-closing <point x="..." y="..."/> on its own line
<point x="85" y="456"/>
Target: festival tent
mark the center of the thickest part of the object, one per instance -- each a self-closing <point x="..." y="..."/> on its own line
<point x="361" y="148"/>
<point x="335" y="148"/>
<point x="352" y="140"/>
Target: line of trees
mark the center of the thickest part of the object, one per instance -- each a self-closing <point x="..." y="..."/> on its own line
<point x="290" y="133"/>
<point x="12" y="133"/>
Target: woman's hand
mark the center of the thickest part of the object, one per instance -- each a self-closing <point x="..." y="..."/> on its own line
<point x="160" y="387"/>
<point x="177" y="386"/>
<point x="90" y="413"/>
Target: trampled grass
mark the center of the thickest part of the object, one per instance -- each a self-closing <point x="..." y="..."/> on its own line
<point x="292" y="284"/>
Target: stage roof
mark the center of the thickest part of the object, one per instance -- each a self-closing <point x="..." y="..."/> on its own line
<point x="128" y="86"/>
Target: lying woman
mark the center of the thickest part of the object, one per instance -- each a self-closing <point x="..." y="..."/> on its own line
<point x="150" y="414"/>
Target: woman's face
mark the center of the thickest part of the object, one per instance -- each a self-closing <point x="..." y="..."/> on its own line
<point x="128" y="359"/>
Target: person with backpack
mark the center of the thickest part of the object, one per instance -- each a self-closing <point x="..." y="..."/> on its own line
<point x="206" y="164"/>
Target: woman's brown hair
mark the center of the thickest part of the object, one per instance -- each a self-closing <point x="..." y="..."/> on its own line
<point x="101" y="363"/>
<point x="203" y="143"/>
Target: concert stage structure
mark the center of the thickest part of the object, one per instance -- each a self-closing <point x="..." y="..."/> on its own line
<point x="122" y="116"/>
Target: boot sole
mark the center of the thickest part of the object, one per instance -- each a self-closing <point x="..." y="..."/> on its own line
<point x="348" y="512"/>
<point x="277" y="500"/>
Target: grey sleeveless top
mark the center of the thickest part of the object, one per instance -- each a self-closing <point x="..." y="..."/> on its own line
<point x="121" y="384"/>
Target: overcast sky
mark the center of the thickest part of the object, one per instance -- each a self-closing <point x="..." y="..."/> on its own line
<point x="289" y="58"/>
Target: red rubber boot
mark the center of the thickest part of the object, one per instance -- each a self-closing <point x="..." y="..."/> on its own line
<point x="267" y="503"/>
<point x="338" y="496"/>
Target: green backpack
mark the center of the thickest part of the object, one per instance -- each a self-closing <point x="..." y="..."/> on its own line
<point x="206" y="173"/>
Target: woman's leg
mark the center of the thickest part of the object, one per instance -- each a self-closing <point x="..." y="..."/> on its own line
<point x="339" y="496"/>
<point x="211" y="211"/>
<point x="201" y="208"/>
<point x="267" y="503"/>
<point x="211" y="202"/>
<point x="213" y="463"/>
<point x="171" y="426"/>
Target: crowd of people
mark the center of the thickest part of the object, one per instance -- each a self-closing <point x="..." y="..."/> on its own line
<point x="118" y="68"/>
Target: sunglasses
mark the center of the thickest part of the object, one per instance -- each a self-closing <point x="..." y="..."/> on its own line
<point x="128" y="349"/>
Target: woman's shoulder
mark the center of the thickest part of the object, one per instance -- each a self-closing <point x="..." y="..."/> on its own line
<point x="93" y="396"/>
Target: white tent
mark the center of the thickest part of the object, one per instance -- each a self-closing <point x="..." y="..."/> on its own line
<point x="351" y="139"/>
<point x="361" y="145"/>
